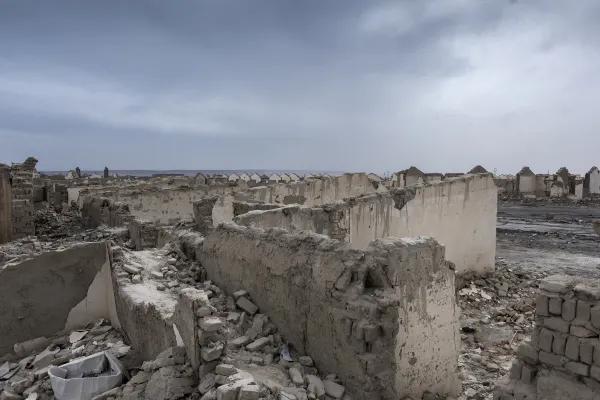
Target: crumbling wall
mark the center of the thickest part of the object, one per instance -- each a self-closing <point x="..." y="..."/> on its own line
<point x="101" y="211"/>
<point x="6" y="229"/>
<point x="562" y="359"/>
<point x="458" y="212"/>
<point x="148" y="235"/>
<point x="23" y="220"/>
<point x="243" y="207"/>
<point x="41" y="296"/>
<point x="163" y="206"/>
<point x="203" y="210"/>
<point x="325" y="220"/>
<point x="313" y="192"/>
<point x="384" y="319"/>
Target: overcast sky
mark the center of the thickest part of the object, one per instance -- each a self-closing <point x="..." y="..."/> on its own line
<point x="350" y="85"/>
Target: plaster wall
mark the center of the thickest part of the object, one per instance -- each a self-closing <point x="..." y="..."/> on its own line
<point x="313" y="192"/>
<point x="413" y="180"/>
<point x="526" y="184"/>
<point x="384" y="320"/>
<point x="458" y="212"/>
<point x="41" y="296"/>
<point x="594" y="178"/>
<point x="162" y="206"/>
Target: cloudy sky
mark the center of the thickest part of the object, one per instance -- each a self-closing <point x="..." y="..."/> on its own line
<point x="350" y="85"/>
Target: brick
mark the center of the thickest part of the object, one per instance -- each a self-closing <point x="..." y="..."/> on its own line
<point x="569" y="309"/>
<point x="545" y="342"/>
<point x="595" y="372"/>
<point x="559" y="343"/>
<point x="586" y="351"/>
<point x="583" y="313"/>
<point x="541" y="305"/>
<point x="555" y="306"/>
<point x="572" y="349"/>
<point x="597" y="355"/>
<point x="551" y="359"/>
<point x="535" y="337"/>
<point x="557" y="324"/>
<point x="577" y="368"/>
<point x="595" y="316"/>
<point x="582" y="332"/>
<point x="528" y="373"/>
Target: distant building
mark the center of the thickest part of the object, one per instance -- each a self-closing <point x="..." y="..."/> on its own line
<point x="245" y="177"/>
<point x="414" y="175"/>
<point x="591" y="183"/>
<point x="525" y="180"/>
<point x="433" y="177"/>
<point x="255" y="177"/>
<point x="478" y="169"/>
<point x="274" y="178"/>
<point x="71" y="175"/>
<point x="200" y="179"/>
<point x="233" y="177"/>
<point x="285" y="177"/>
<point x="294" y="177"/>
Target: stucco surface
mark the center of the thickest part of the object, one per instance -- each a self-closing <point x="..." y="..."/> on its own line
<point x="38" y="294"/>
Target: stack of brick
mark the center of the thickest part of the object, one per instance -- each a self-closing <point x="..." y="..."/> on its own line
<point x="23" y="219"/>
<point x="563" y="355"/>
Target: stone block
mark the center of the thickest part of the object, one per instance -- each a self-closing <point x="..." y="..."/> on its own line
<point x="545" y="342"/>
<point x="569" y="310"/>
<point x="210" y="324"/>
<point x="557" y="324"/>
<point x="247" y="305"/>
<point x="551" y="359"/>
<point x="595" y="372"/>
<point x="582" y="332"/>
<point x="206" y="383"/>
<point x="225" y="369"/>
<point x="296" y="376"/>
<point x="572" y="348"/>
<point x="249" y="392"/>
<point x="315" y="386"/>
<point x="577" y="368"/>
<point x="515" y="370"/>
<point x="258" y="344"/>
<point x="211" y="352"/>
<point x="558" y="283"/>
<point x="583" y="313"/>
<point x="230" y="391"/>
<point x="239" y="342"/>
<point x="586" y="350"/>
<point x="555" y="306"/>
<point x="541" y="305"/>
<point x="595" y="316"/>
<point x="559" y="343"/>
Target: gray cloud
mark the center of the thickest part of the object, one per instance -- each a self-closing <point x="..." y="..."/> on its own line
<point x="341" y="84"/>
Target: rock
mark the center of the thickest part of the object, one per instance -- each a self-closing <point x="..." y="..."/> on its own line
<point x="136" y="279"/>
<point x="250" y="392"/>
<point x="212" y="351"/>
<point x="239" y="342"/>
<point x="225" y="369"/>
<point x="210" y="324"/>
<point x="296" y="377"/>
<point x="305" y="361"/>
<point x="334" y="390"/>
<point x="207" y="383"/>
<point x="258" y="344"/>
<point x="247" y="305"/>
<point x="131" y="269"/>
<point x="231" y="390"/>
<point x="298" y="393"/>
<point x="315" y="386"/>
<point x="172" y="261"/>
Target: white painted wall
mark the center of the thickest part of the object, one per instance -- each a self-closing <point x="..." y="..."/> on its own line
<point x="526" y="184"/>
<point x="99" y="303"/>
<point x="459" y="213"/>
<point x="579" y="190"/>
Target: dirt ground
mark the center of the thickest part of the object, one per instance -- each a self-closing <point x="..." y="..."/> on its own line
<point x="533" y="241"/>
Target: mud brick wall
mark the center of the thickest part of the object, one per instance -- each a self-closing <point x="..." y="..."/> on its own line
<point x="6" y="230"/>
<point x="563" y="356"/>
<point x="23" y="220"/>
<point x="101" y="211"/>
<point x="203" y="209"/>
<point x="383" y="319"/>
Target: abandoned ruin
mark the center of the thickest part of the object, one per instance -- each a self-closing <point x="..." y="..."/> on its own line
<point x="344" y="287"/>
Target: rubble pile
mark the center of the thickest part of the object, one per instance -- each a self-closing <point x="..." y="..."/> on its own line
<point x="50" y="224"/>
<point x="24" y="374"/>
<point x="242" y="354"/>
<point x="497" y="316"/>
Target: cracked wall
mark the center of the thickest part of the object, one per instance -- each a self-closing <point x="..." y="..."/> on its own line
<point x="459" y="212"/>
<point x="385" y="319"/>
<point x="53" y="291"/>
<point x="6" y="230"/>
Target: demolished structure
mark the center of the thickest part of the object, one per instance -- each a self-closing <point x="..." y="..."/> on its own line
<point x="326" y="288"/>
